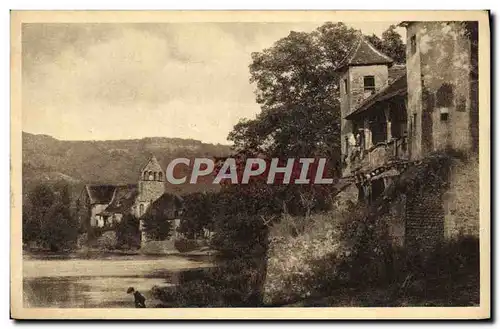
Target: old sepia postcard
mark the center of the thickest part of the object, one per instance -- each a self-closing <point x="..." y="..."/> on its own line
<point x="250" y="165"/>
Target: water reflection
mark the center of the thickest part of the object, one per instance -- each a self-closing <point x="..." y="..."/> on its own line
<point x="76" y="292"/>
<point x="103" y="283"/>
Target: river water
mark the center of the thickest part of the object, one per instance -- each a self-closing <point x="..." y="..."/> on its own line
<point x="73" y="282"/>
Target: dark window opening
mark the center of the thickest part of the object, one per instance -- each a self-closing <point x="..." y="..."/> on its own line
<point x="379" y="133"/>
<point x="444" y="116"/>
<point x="369" y="83"/>
<point x="413" y="44"/>
<point x="444" y="97"/>
<point x="345" y="86"/>
<point x="361" y="193"/>
<point x="378" y="188"/>
<point x="414" y="124"/>
<point x="378" y="128"/>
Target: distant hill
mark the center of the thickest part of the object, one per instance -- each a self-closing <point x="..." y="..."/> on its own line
<point x="46" y="159"/>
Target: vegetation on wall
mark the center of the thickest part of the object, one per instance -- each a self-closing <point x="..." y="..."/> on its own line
<point x="347" y="253"/>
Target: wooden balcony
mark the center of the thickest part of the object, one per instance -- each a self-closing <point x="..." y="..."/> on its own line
<point x="376" y="156"/>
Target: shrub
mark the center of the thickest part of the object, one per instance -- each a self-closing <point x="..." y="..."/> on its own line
<point x="157" y="227"/>
<point x="128" y="233"/>
<point x="47" y="218"/>
<point x="235" y="283"/>
<point x="184" y="245"/>
<point x="107" y="241"/>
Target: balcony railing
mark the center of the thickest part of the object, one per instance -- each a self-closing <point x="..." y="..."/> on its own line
<point x="376" y="156"/>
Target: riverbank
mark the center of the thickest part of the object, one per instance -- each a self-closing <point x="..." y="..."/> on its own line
<point x="90" y="253"/>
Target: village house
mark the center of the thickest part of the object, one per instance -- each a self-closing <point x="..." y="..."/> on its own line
<point x="395" y="115"/>
<point x="101" y="207"/>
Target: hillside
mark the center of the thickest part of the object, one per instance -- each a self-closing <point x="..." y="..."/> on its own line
<point x="46" y="159"/>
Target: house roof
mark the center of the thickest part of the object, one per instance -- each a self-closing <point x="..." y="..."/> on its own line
<point x="395" y="72"/>
<point x="164" y="205"/>
<point x="398" y="87"/>
<point x="364" y="53"/>
<point x="123" y="199"/>
<point x="101" y="194"/>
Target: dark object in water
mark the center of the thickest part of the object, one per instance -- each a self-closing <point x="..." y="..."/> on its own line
<point x="139" y="299"/>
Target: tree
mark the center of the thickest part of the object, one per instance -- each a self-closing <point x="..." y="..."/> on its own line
<point x="39" y="201"/>
<point x="390" y="44"/>
<point x="59" y="230"/>
<point x="47" y="218"/>
<point x="297" y="88"/>
<point x="197" y="215"/>
<point x="157" y="226"/>
<point x="127" y="231"/>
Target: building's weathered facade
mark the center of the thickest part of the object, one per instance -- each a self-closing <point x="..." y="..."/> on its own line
<point x="394" y="116"/>
<point x="442" y="79"/>
<point x="151" y="186"/>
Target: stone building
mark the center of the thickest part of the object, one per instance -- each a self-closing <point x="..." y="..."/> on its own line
<point x="393" y="116"/>
<point x="100" y="207"/>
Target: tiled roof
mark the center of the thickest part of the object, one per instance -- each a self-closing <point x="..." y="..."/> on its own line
<point x="397" y="87"/>
<point x="123" y="199"/>
<point x="364" y="53"/>
<point x="101" y="194"/>
<point x="165" y="205"/>
<point x="396" y="71"/>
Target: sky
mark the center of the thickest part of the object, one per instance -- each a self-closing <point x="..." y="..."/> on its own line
<point x="109" y="81"/>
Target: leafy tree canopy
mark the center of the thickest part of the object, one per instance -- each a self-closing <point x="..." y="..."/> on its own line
<point x="390" y="44"/>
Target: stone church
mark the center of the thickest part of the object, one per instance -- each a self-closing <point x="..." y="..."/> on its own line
<point x="101" y="207"/>
<point x="393" y="116"/>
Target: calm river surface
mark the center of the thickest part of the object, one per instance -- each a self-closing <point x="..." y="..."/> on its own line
<point x="72" y="282"/>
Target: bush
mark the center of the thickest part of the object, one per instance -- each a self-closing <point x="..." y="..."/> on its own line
<point x="107" y="241"/>
<point x="235" y="283"/>
<point x="184" y="245"/>
<point x="128" y="233"/>
<point x="157" y="227"/>
<point x="291" y="273"/>
<point x="48" y="220"/>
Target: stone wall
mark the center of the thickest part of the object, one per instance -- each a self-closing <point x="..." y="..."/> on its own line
<point x="414" y="92"/>
<point x="150" y="190"/>
<point x="356" y="82"/>
<point x="419" y="220"/>
<point x="355" y="95"/>
<point x="345" y="109"/>
<point x="441" y="61"/>
<point x="424" y="221"/>
<point x="461" y="200"/>
<point x="396" y="220"/>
